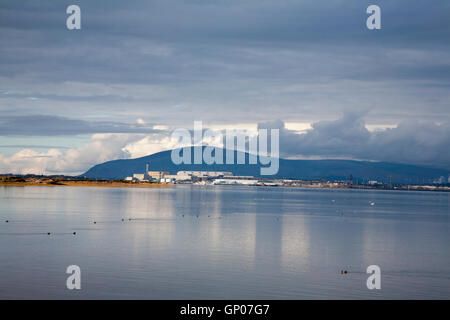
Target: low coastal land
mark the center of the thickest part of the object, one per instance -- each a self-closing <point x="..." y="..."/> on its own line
<point x="65" y="182"/>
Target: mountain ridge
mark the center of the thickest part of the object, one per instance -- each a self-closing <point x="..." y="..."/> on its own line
<point x="330" y="169"/>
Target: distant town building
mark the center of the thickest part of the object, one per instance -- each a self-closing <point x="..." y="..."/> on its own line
<point x="237" y="177"/>
<point x="178" y="177"/>
<point x="139" y="176"/>
<point x="236" y="181"/>
<point x="204" y="174"/>
<point x="156" y="175"/>
<point x="182" y="176"/>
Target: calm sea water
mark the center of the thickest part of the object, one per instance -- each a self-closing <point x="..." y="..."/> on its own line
<point x="231" y="243"/>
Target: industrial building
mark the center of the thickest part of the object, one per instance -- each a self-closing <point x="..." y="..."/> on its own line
<point x="190" y="176"/>
<point x="138" y="177"/>
<point x="247" y="182"/>
<point x="181" y="176"/>
<point x="196" y="177"/>
<point x="205" y="174"/>
<point x="156" y="175"/>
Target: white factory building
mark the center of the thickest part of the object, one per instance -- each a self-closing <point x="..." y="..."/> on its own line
<point x="205" y="174"/>
<point x="190" y="175"/>
<point x="246" y="182"/>
<point x="181" y="176"/>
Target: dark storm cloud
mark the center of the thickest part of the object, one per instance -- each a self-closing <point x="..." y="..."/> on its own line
<point x="181" y="41"/>
<point x="417" y="142"/>
<point x="233" y="61"/>
<point x="55" y="97"/>
<point x="38" y="125"/>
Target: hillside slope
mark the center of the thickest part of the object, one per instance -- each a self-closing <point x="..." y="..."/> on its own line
<point x="295" y="169"/>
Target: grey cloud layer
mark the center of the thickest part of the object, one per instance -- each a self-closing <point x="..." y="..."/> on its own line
<point x="413" y="142"/>
<point x="303" y="58"/>
<point x="231" y="61"/>
<point x="38" y="125"/>
<point x="416" y="142"/>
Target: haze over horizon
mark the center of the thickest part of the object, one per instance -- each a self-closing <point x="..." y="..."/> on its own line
<point x="139" y="69"/>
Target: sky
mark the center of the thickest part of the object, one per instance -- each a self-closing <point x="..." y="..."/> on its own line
<point x="137" y="70"/>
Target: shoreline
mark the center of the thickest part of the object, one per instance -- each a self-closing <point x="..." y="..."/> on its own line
<point x="98" y="184"/>
<point x="333" y="187"/>
<point x="61" y="182"/>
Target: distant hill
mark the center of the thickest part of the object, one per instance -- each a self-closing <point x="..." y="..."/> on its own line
<point x="295" y="169"/>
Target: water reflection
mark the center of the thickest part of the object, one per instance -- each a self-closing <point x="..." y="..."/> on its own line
<point x="223" y="242"/>
<point x="295" y="245"/>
